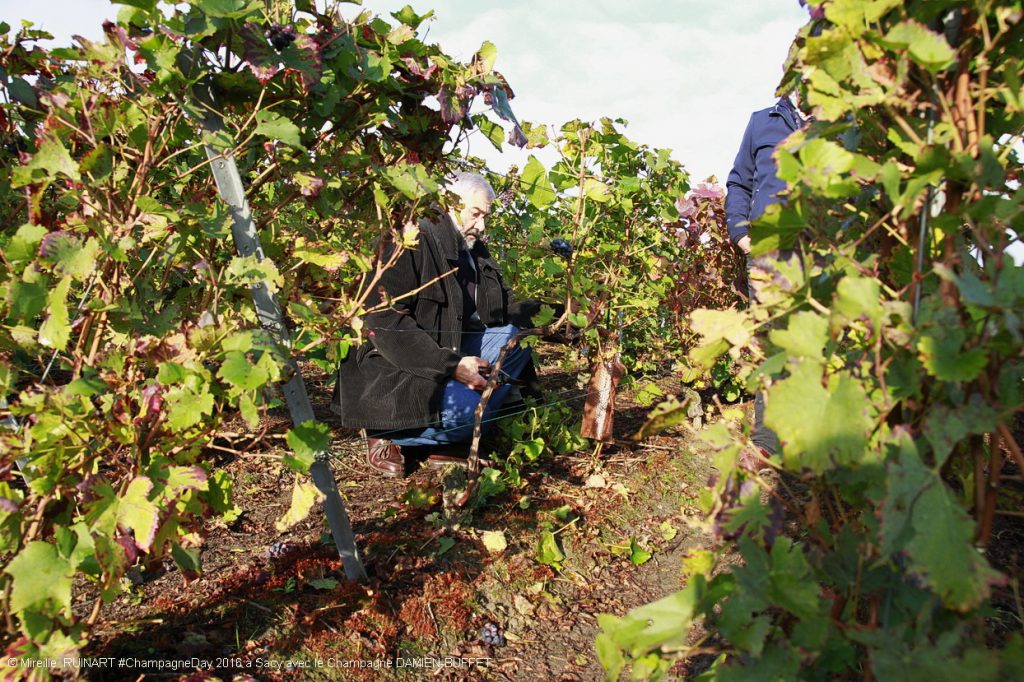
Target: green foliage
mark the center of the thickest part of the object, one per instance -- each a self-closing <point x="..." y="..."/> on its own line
<point x="637" y="264"/>
<point x="530" y="437"/>
<point x="120" y="265"/>
<point x="891" y="389"/>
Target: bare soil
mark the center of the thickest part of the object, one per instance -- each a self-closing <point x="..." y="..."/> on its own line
<point x="283" y="612"/>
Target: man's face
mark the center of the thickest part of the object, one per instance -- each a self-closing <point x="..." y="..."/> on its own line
<point x="471" y="221"/>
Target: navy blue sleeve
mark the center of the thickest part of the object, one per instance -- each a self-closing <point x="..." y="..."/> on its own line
<point x="740" y="186"/>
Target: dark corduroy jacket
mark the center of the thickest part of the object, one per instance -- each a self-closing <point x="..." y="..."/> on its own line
<point x="396" y="378"/>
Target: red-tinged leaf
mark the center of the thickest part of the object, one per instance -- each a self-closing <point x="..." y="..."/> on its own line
<point x="182" y="478"/>
<point x="516" y="137"/>
<point x="117" y="32"/>
<point x="152" y="399"/>
<point x="137" y="513"/>
<point x="686" y="208"/>
<point x="706" y="191"/>
<point x="131" y="552"/>
<point x="452" y="108"/>
<point x="303" y="57"/>
<point x="263" y="59"/>
<point x="53" y="242"/>
<point x="415" y="69"/>
<point x="309" y="185"/>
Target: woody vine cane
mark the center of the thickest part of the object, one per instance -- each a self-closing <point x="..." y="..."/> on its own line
<point x="473" y="461"/>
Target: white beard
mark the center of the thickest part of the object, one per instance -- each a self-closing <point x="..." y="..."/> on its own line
<point x="464" y="241"/>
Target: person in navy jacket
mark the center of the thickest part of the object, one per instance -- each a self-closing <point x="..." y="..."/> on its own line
<point x="753" y="185"/>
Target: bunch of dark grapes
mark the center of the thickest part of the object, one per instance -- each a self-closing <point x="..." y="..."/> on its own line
<point x="490" y="634"/>
<point x="280" y="36"/>
<point x="278" y="549"/>
<point x="561" y="247"/>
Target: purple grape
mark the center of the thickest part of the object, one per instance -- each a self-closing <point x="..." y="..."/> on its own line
<point x="280" y="36"/>
<point x="490" y="634"/>
<point x="277" y="550"/>
<point x="561" y="247"/>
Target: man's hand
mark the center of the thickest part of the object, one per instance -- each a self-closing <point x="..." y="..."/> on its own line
<point x="468" y="372"/>
<point x="744" y="243"/>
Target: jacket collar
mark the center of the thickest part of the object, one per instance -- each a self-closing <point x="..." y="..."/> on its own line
<point x="442" y="231"/>
<point x="784" y="108"/>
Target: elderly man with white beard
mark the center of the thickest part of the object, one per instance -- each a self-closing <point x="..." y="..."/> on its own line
<point x="417" y="379"/>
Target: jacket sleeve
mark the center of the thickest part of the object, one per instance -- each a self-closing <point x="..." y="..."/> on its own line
<point x="396" y="334"/>
<point x="740" y="187"/>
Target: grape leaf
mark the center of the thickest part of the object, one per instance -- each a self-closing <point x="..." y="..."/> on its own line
<point x="55" y="330"/>
<point x="804" y="337"/>
<point x="71" y="257"/>
<point x="136" y="512"/>
<point x="247" y="408"/>
<point x="494" y="541"/>
<point x="304" y="496"/>
<point x="412" y="180"/>
<point x="27" y="299"/>
<point x="240" y="373"/>
<point x="22" y="92"/>
<point x="182" y="478"/>
<point x="374" y="67"/>
<point x="307" y="440"/>
<point x="857" y="298"/>
<point x="819" y="428"/>
<point x="548" y="551"/>
<point x="942" y="550"/>
<point x="483" y="60"/>
<point x="254" y="270"/>
<point x="42" y="577"/>
<point x="228" y="9"/>
<point x="187" y="560"/>
<point x="277" y="127"/>
<point x="536" y="184"/>
<point x="187" y="405"/>
<point x="943" y="357"/>
<point x="219" y="496"/>
<point x="407" y="15"/>
<point x="945" y="426"/>
<point x="171" y="373"/>
<point x="637" y="554"/>
<point x="303" y="57"/>
<point x="24" y="243"/>
<point x="51" y="159"/>
<point x="596" y="190"/>
<point x="443" y="545"/>
<point x="263" y="60"/>
<point x="793" y="586"/>
<point x="536" y="135"/>
<point x="491" y="130"/>
<point x="927" y="48"/>
<point x="662" y="623"/>
<point x="715" y="325"/>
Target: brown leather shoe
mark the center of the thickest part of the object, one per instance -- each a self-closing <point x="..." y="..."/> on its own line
<point x="385" y="457"/>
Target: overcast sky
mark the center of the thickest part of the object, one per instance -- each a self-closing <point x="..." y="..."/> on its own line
<point x="685" y="73"/>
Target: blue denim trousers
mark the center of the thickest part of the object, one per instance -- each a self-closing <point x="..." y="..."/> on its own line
<point x="459" y="402"/>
